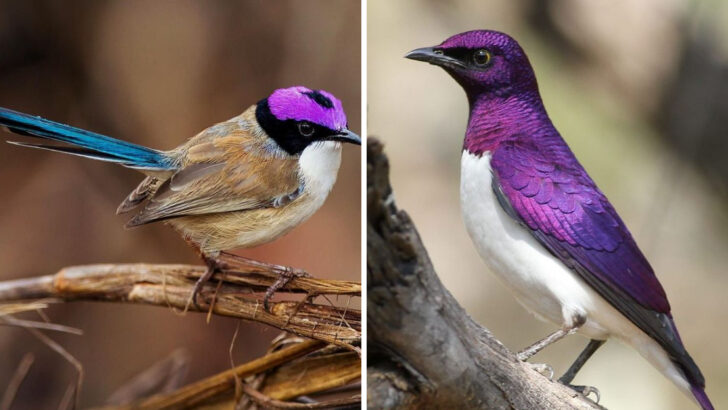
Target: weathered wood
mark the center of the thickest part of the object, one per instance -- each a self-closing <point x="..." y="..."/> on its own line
<point x="171" y="286"/>
<point x="424" y="350"/>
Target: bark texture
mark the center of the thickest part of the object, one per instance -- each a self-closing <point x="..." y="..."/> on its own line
<point x="424" y="350"/>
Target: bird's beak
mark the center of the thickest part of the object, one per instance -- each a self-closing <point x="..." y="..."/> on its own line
<point x="434" y="56"/>
<point x="346" y="136"/>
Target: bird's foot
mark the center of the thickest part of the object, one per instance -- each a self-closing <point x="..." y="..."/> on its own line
<point x="524" y="355"/>
<point x="229" y="261"/>
<point x="285" y="276"/>
<point x="213" y="266"/>
<point x="542" y="368"/>
<point x="586" y="391"/>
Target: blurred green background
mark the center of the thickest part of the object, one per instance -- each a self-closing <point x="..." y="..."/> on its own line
<point x="154" y="73"/>
<point x="639" y="89"/>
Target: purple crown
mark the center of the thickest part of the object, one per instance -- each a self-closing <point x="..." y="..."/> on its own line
<point x="303" y="104"/>
<point x="479" y="38"/>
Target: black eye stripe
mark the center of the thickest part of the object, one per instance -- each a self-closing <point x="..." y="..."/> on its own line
<point x="286" y="133"/>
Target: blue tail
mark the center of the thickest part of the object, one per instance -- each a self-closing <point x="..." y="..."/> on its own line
<point x="85" y="143"/>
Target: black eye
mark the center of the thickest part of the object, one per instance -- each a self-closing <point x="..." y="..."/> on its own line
<point x="305" y="129"/>
<point x="481" y="57"/>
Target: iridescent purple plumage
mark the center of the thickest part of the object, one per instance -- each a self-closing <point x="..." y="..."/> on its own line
<point x="300" y="103"/>
<point x="542" y="179"/>
<point x="541" y="184"/>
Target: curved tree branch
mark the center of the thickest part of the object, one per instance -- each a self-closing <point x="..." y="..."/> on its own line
<point x="424" y="349"/>
<point x="171" y="286"/>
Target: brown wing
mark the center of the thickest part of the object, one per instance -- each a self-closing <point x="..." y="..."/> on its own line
<point x="226" y="173"/>
<point x="147" y="187"/>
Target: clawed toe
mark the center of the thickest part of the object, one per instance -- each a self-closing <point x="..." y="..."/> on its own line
<point x="542" y="368"/>
<point x="227" y="261"/>
<point x="586" y="391"/>
<point x="292" y="273"/>
<point x="199" y="285"/>
<point x="285" y="276"/>
<point x="199" y="295"/>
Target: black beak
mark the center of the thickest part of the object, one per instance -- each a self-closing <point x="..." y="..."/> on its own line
<point x="346" y="136"/>
<point x="434" y="56"/>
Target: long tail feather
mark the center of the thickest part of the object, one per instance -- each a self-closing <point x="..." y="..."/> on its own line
<point x="89" y="144"/>
<point x="690" y="370"/>
<point x="81" y="152"/>
<point x="702" y="398"/>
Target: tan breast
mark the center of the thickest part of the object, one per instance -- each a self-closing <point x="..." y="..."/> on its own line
<point x="318" y="167"/>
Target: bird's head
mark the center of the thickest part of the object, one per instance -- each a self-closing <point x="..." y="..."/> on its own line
<point x="296" y="117"/>
<point x="482" y="61"/>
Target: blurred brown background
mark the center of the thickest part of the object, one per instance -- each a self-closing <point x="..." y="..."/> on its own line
<point x="639" y="89"/>
<point x="154" y="73"/>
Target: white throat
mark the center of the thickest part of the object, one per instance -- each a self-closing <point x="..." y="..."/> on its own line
<point x="319" y="165"/>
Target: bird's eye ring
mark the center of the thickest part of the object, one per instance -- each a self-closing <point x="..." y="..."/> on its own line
<point x="481" y="57"/>
<point x="305" y="129"/>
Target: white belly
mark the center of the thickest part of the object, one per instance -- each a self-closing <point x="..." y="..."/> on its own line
<point x="540" y="282"/>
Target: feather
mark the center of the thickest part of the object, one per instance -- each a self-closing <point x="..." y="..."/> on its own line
<point x="146" y="188"/>
<point x="232" y="172"/>
<point x="86" y="144"/>
<point x="583" y="230"/>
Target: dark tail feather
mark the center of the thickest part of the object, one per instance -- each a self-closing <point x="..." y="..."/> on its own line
<point x="702" y="398"/>
<point x="87" y="144"/>
<point x="690" y="369"/>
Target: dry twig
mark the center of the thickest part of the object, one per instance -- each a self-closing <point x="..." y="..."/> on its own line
<point x="295" y="367"/>
<point x="163" y="376"/>
<point x="266" y="401"/>
<point x="171" y="285"/>
<point x="342" y="368"/>
<point x="16" y="381"/>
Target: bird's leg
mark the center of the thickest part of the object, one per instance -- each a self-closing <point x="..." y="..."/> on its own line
<point x="565" y="330"/>
<point x="577" y="365"/>
<point x="579" y="362"/>
<point x="526" y="353"/>
<point x="285" y="274"/>
<point x="213" y="265"/>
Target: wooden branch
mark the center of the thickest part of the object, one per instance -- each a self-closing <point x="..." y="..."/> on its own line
<point x="171" y="286"/>
<point x="294" y="369"/>
<point x="205" y="389"/>
<point x="312" y="375"/>
<point x="424" y="349"/>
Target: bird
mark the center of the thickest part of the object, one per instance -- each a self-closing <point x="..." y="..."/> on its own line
<point x="240" y="183"/>
<point x="541" y="223"/>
